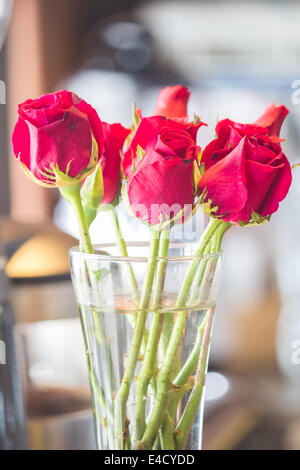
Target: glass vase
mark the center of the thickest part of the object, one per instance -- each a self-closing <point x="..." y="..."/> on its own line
<point x="147" y="354"/>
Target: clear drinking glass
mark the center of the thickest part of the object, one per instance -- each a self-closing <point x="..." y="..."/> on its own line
<point x="107" y="289"/>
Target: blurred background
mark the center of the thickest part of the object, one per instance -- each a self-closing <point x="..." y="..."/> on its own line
<point x="236" y="57"/>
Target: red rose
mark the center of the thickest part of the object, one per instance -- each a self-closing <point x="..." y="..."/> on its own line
<point x="160" y="185"/>
<point x="146" y="137"/>
<point x="114" y="137"/>
<point x="272" y="118"/>
<point x="230" y="133"/>
<point x="57" y="139"/>
<point x="253" y="176"/>
<point x="172" y="102"/>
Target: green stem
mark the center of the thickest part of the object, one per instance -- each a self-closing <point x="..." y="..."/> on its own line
<point x="167" y="437"/>
<point x="123" y="250"/>
<point x="122" y="395"/>
<point x="156" y="445"/>
<point x="191" y="362"/>
<point x="163" y="383"/>
<point x="133" y="282"/>
<point x="201" y="269"/>
<point x="166" y="332"/>
<point x="72" y="195"/>
<point x="217" y="240"/>
<point x="167" y="430"/>
<point x="148" y="367"/>
<point x="183" y="428"/>
<point x="98" y="395"/>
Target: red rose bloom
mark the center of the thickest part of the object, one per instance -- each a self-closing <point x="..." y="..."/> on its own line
<point x="161" y="184"/>
<point x="58" y="138"/>
<point x="114" y="136"/>
<point x="146" y="137"/>
<point x="252" y="176"/>
<point x="172" y="102"/>
<point x="230" y="133"/>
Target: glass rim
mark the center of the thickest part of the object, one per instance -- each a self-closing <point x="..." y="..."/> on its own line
<point x="75" y="252"/>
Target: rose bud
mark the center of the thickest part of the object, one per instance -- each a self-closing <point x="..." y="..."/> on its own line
<point x="246" y="184"/>
<point x="57" y="139"/>
<point x="103" y="185"/>
<point x="172" y="102"/>
<point x="91" y="194"/>
<point x="273" y="118"/>
<point x="161" y="185"/>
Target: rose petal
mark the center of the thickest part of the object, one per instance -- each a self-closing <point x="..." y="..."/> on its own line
<point x="95" y="122"/>
<point x="21" y="142"/>
<point x="114" y="137"/>
<point x="247" y="130"/>
<point x="217" y="148"/>
<point x="66" y="143"/>
<point x="260" y="153"/>
<point x="259" y="178"/>
<point x="146" y="137"/>
<point x="172" y="102"/>
<point x="272" y="118"/>
<point x="225" y="183"/>
<point x="279" y="188"/>
<point x="48" y="108"/>
<point x="159" y="185"/>
<point x="173" y="142"/>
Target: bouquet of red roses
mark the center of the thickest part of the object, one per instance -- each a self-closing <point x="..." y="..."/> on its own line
<point x="150" y="397"/>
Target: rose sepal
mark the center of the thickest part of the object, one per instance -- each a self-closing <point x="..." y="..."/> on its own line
<point x="33" y="178"/>
<point x="256" y="219"/>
